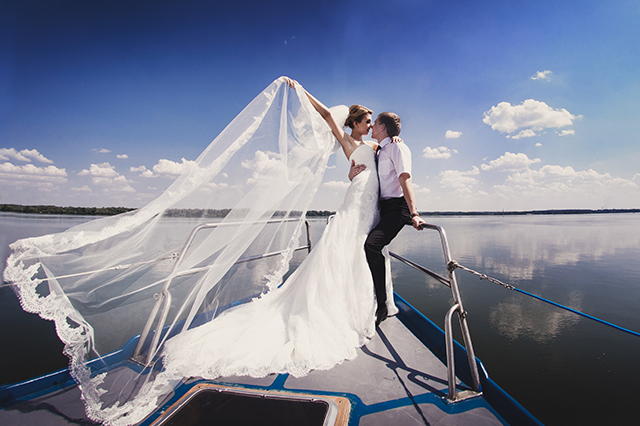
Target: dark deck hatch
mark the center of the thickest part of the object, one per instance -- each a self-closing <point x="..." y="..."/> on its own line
<point x="216" y="406"/>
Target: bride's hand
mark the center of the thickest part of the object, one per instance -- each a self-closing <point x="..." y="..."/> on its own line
<point x="396" y="139"/>
<point x="291" y="82"/>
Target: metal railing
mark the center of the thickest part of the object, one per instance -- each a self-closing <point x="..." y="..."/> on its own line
<point x="163" y="299"/>
<point x="462" y="317"/>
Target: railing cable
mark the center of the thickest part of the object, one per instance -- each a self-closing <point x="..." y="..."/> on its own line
<point x="455" y="265"/>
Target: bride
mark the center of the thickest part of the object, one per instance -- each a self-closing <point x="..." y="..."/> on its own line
<point x="325" y="309"/>
<point x="98" y="281"/>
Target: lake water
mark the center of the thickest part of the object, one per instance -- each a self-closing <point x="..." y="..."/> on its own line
<point x="565" y="369"/>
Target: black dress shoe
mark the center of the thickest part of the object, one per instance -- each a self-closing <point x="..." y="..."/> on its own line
<point x="381" y="314"/>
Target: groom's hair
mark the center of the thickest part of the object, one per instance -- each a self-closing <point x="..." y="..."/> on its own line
<point x="391" y="122"/>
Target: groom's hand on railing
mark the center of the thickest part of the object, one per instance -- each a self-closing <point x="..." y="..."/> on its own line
<point x="417" y="222"/>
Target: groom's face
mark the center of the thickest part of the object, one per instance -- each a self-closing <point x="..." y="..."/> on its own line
<point x="378" y="131"/>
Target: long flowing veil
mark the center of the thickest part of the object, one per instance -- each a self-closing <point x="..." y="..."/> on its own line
<point x="101" y="281"/>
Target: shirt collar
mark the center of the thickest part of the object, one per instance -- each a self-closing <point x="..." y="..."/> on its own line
<point x="386" y="141"/>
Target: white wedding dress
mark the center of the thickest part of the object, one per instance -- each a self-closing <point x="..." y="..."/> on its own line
<point x="98" y="281"/>
<point x="314" y="321"/>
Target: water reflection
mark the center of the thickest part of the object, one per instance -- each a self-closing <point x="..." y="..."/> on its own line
<point x="522" y="317"/>
<point x="529" y="241"/>
<point x="581" y="261"/>
<point x="588" y="263"/>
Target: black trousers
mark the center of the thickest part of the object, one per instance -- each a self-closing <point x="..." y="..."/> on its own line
<point x="394" y="215"/>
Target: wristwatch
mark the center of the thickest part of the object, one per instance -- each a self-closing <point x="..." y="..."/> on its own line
<point x="414" y="215"/>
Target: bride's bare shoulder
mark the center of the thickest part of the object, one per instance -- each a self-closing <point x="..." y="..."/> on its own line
<point x="372" y="144"/>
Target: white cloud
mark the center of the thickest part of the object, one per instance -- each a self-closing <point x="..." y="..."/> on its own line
<point x="168" y="167"/>
<point x="122" y="156"/>
<point x="100" y="180"/>
<point x="558" y="181"/>
<point x="85" y="189"/>
<point x="510" y="162"/>
<point x="26" y="155"/>
<point x="531" y="114"/>
<point x="165" y="167"/>
<point x="451" y="134"/>
<point x="567" y="132"/>
<point x="29" y="172"/>
<point x="222" y="185"/>
<point x="459" y="181"/>
<point x="101" y="150"/>
<point x="526" y="133"/>
<point x="440" y="152"/>
<point x="420" y="189"/>
<point x="334" y="184"/>
<point x="144" y="172"/>
<point x="264" y="164"/>
<point x="104" y="170"/>
<point x="542" y="75"/>
<point x="105" y="175"/>
<point x="538" y="144"/>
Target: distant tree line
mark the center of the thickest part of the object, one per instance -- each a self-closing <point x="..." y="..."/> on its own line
<point x="530" y="212"/>
<point x="221" y="213"/>
<point x="80" y="211"/>
<point x="196" y="213"/>
<point x="110" y="211"/>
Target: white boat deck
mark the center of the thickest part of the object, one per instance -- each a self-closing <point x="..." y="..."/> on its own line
<point x="395" y="380"/>
<point x="398" y="380"/>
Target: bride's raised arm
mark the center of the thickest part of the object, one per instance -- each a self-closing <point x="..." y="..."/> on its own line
<point x="347" y="143"/>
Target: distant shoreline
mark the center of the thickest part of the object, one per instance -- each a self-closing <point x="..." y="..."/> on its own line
<point x="110" y="211"/>
<point x="531" y="212"/>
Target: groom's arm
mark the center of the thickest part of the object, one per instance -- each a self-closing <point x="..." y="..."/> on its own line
<point x="407" y="189"/>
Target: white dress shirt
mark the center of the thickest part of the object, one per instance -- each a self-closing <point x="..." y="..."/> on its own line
<point x="393" y="160"/>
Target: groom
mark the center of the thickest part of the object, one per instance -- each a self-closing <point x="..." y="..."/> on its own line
<point x="397" y="201"/>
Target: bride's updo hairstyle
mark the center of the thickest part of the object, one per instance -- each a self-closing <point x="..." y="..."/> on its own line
<point x="356" y="114"/>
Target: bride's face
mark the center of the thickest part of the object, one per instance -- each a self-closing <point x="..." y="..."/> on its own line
<point x="363" y="126"/>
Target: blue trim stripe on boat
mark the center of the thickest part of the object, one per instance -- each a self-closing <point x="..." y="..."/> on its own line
<point x="501" y="403"/>
<point x="433" y="337"/>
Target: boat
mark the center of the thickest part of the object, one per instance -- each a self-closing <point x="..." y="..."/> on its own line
<point x="411" y="372"/>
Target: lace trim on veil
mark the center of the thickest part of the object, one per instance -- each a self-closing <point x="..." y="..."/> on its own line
<point x="97" y="281"/>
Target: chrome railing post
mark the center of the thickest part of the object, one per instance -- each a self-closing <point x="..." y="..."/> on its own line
<point x="462" y="317"/>
<point x="306" y="224"/>
<point x="451" y="364"/>
<point x="164" y="297"/>
<point x="161" y="298"/>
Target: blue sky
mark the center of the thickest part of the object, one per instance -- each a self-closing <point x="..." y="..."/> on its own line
<point x="505" y="105"/>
